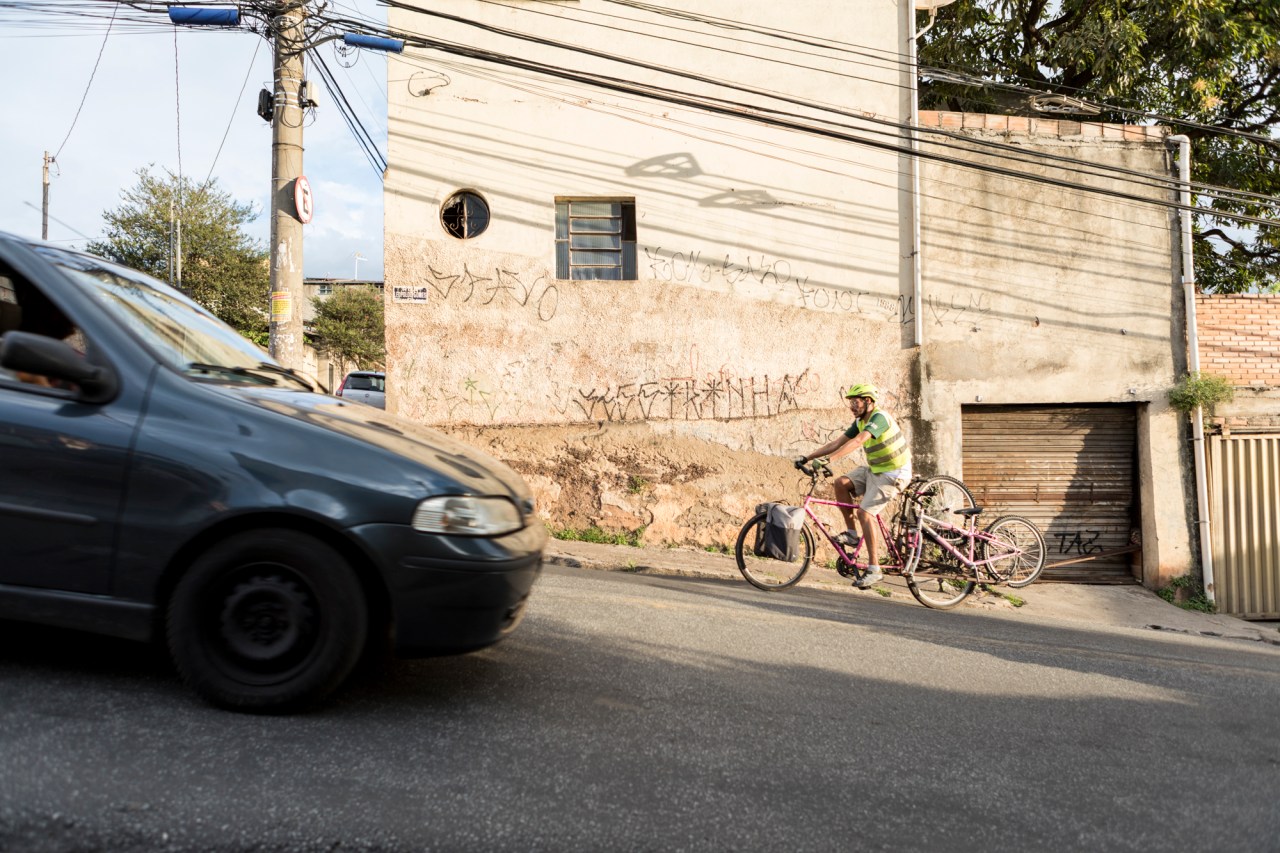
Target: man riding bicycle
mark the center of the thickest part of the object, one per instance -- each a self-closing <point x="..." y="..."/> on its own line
<point x="887" y="472"/>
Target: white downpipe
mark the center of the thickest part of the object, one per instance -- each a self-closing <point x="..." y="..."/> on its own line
<point x="917" y="289"/>
<point x="1193" y="361"/>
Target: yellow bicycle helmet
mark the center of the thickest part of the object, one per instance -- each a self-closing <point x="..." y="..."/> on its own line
<point x="863" y="390"/>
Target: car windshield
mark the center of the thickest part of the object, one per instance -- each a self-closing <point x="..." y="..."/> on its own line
<point x="180" y="332"/>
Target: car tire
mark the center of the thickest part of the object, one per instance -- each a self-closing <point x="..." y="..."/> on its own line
<point x="267" y="620"/>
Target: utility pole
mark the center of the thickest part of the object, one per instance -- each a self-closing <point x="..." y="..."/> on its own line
<point x="287" y="340"/>
<point x="44" y="210"/>
<point x="291" y="202"/>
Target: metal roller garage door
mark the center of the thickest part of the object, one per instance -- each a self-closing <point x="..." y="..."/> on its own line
<point x="1071" y="470"/>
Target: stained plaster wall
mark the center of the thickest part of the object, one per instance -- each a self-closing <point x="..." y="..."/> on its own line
<point x="770" y="266"/>
<point x="1037" y="294"/>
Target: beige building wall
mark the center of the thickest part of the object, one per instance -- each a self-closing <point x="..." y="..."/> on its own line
<point x="770" y="270"/>
<point x="774" y="268"/>
<point x="1039" y="294"/>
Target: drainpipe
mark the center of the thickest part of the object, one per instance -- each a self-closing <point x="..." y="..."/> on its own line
<point x="1193" y="360"/>
<point x="917" y="291"/>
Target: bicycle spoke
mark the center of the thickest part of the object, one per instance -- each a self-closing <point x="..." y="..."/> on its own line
<point x="1016" y="550"/>
<point x="763" y="572"/>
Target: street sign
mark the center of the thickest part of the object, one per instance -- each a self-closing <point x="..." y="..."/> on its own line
<point x="302" y="200"/>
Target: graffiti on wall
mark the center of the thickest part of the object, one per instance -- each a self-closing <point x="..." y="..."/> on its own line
<point x="687" y="267"/>
<point x="503" y="287"/>
<point x="688" y="399"/>
<point x="897" y="309"/>
<point x="959" y="310"/>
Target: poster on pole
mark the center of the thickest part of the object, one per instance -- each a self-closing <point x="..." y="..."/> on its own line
<point x="281" y="306"/>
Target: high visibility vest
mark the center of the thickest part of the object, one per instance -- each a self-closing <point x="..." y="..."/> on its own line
<point x="890" y="450"/>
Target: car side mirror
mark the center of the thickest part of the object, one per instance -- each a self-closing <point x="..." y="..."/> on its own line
<point x="45" y="356"/>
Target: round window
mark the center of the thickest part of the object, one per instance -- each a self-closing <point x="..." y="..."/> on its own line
<point x="464" y="214"/>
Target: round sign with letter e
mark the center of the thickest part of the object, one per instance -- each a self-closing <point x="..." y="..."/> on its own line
<point x="302" y="201"/>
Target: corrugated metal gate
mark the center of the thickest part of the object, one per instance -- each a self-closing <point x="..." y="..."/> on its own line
<point x="1071" y="470"/>
<point x="1244" y="481"/>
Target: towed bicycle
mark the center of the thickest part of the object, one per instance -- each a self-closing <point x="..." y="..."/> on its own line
<point x="933" y="541"/>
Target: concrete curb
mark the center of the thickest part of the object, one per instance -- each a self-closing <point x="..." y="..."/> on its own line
<point x="1117" y="606"/>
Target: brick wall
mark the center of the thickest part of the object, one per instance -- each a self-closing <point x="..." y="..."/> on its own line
<point x="1063" y="128"/>
<point x="1240" y="338"/>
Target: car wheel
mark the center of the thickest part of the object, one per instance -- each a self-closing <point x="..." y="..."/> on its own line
<point x="267" y="620"/>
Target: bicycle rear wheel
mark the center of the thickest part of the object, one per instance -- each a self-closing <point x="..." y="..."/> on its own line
<point x="1023" y="546"/>
<point x="939" y="580"/>
<point x="766" y="573"/>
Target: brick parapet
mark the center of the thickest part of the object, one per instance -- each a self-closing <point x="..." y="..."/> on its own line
<point x="1033" y="126"/>
<point x="1240" y="337"/>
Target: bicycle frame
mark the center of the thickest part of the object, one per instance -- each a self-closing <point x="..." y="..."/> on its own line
<point x="932" y="528"/>
<point x="898" y="564"/>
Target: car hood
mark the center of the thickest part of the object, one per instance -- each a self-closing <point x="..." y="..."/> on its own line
<point x="473" y="471"/>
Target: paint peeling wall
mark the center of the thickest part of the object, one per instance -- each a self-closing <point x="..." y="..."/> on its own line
<point x="1039" y="294"/>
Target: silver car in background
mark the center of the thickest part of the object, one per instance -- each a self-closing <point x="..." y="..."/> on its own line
<point x="364" y="386"/>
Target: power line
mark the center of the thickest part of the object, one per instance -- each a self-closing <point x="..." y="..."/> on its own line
<point x="757" y="113"/>
<point x="234" y="110"/>
<point x="89" y="85"/>
<point x="967" y="142"/>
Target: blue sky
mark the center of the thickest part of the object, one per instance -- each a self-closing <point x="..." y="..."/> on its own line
<point x="134" y="116"/>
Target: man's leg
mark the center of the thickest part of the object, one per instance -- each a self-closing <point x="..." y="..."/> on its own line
<point x="845" y="495"/>
<point x="867" y="525"/>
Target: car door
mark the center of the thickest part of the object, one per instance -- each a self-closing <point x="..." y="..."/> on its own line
<point x="62" y="467"/>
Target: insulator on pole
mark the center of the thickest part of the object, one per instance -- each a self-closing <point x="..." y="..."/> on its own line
<point x="204" y="16"/>
<point x="374" y="42"/>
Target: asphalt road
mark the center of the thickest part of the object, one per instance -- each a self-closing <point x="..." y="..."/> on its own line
<point x="644" y="713"/>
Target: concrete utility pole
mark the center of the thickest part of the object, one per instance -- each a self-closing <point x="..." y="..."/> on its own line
<point x="286" y="167"/>
<point x="44" y="210"/>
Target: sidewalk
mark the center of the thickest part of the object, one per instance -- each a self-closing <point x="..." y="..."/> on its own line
<point x="1117" y="606"/>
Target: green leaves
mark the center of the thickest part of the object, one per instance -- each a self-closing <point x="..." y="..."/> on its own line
<point x="222" y="268"/>
<point x="349" y="325"/>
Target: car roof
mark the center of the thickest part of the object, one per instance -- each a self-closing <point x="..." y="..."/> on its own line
<point x="365" y="373"/>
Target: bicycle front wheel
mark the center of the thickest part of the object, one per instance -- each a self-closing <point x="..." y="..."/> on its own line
<point x="938" y="497"/>
<point x="1016" y="552"/>
<point x="766" y="573"/>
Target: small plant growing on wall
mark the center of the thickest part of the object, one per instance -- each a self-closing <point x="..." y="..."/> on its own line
<point x="1198" y="389"/>
<point x="1188" y="593"/>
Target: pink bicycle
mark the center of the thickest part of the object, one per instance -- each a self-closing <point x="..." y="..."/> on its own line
<point x="932" y="541"/>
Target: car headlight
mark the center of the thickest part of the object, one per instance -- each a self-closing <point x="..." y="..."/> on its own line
<point x="467" y="516"/>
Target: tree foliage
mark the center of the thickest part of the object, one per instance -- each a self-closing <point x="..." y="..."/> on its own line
<point x="222" y="268"/>
<point x="1215" y="63"/>
<point x="349" y="326"/>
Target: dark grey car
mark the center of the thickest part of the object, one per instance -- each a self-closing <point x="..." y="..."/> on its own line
<point x="161" y="477"/>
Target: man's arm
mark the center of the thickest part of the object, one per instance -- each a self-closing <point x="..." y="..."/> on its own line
<point x="831" y="447"/>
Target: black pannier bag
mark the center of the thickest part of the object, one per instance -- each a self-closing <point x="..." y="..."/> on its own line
<point x="779" y="537"/>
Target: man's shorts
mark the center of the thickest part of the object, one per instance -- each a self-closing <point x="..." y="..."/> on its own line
<point x="878" y="489"/>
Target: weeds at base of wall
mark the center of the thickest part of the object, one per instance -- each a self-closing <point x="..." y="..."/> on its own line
<point x="634" y="538"/>
<point x="718" y="549"/>
<point x="1188" y="593"/>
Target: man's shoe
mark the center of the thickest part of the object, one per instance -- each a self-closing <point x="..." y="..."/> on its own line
<point x="849" y="541"/>
<point x="873" y="576"/>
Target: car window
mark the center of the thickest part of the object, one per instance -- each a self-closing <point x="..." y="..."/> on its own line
<point x="23" y="308"/>
<point x="379" y="384"/>
<point x="179" y="331"/>
<point x="359" y="383"/>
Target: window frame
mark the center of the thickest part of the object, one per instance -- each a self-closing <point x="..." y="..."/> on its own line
<point x="592" y="240"/>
